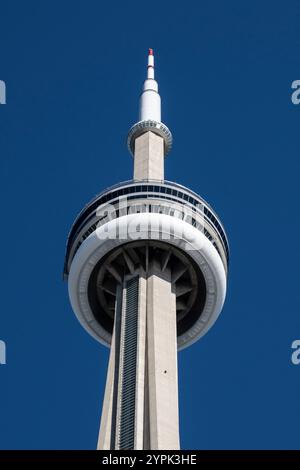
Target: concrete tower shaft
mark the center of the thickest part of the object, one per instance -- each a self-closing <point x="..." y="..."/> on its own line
<point x="141" y="388"/>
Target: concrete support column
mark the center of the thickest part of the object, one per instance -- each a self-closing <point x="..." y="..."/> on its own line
<point x="162" y="360"/>
<point x="140" y="407"/>
<point x="121" y="374"/>
<point x="148" y="157"/>
<point x="104" y="440"/>
<point x="107" y="433"/>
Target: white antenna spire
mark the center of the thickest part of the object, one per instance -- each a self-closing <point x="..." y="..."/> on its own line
<point x="150" y="112"/>
<point x="150" y="107"/>
<point x="150" y="72"/>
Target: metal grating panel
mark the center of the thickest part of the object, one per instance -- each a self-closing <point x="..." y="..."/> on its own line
<point x="128" y="385"/>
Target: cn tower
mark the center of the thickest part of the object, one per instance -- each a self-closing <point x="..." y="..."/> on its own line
<point x="146" y="263"/>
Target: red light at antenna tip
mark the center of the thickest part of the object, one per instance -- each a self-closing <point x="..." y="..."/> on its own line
<point x="150" y="51"/>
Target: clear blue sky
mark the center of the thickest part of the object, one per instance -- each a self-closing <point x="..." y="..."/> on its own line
<point x="74" y="71"/>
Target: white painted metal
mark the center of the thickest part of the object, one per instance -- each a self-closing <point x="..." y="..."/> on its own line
<point x="160" y="226"/>
<point x="150" y="103"/>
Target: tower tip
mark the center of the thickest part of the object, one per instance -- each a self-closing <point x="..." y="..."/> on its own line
<point x="150" y="51"/>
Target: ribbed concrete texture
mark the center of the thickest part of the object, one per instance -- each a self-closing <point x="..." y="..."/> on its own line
<point x="140" y="408"/>
<point x="149" y="157"/>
